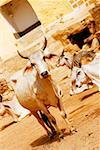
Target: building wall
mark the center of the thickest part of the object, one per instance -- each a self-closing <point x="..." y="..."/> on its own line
<point x="50" y="10"/>
<point x="20" y="14"/>
<point x="47" y="11"/>
<point x="56" y="8"/>
<point x="7" y="40"/>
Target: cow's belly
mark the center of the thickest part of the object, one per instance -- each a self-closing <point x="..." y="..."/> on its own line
<point x="47" y="93"/>
<point x="29" y="104"/>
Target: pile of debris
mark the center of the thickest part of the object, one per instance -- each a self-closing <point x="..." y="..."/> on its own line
<point x="3" y="86"/>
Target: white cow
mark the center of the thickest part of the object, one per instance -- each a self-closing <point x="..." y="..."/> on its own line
<point x="13" y="108"/>
<point x="85" y="68"/>
<point x="91" y="66"/>
<point x="5" y="109"/>
<point x="77" y="74"/>
<point x="16" y="108"/>
<point x="34" y="89"/>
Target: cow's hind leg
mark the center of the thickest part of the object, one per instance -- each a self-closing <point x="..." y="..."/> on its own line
<point x="48" y="124"/>
<point x="11" y="113"/>
<point x="64" y="116"/>
<point x="50" y="117"/>
<point x="36" y="115"/>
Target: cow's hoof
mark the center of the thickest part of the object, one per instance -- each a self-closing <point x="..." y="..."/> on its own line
<point x="53" y="134"/>
<point x="49" y="135"/>
<point x="61" y="135"/>
<point x="73" y="130"/>
<point x="15" y="121"/>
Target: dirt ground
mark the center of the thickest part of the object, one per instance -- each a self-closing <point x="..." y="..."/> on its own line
<point x="29" y="135"/>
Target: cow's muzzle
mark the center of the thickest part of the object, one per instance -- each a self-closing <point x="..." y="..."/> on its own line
<point x="45" y="74"/>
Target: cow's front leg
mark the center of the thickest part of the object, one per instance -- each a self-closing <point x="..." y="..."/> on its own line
<point x="50" y="117"/>
<point x="64" y="116"/>
<point x="41" y="122"/>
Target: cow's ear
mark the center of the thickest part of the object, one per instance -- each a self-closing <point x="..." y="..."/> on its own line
<point x="50" y="56"/>
<point x="47" y="54"/>
<point x="14" y="81"/>
<point x="28" y="68"/>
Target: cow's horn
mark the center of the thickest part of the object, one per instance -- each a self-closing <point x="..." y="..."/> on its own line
<point x="21" y="55"/>
<point x="45" y="44"/>
<point x="62" y="54"/>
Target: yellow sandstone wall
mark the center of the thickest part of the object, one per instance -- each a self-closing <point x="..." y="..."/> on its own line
<point x="7" y="40"/>
<point x="47" y="11"/>
<point x="50" y="10"/>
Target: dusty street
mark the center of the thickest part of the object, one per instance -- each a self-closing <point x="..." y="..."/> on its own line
<point x="29" y="135"/>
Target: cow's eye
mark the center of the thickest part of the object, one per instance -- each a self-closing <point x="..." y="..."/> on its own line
<point x="66" y="58"/>
<point x="32" y="64"/>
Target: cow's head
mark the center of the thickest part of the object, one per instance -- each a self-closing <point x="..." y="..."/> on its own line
<point x="87" y="57"/>
<point x="65" y="59"/>
<point x="37" y="61"/>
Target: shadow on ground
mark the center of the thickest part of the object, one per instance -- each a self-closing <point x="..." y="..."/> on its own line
<point x="45" y="140"/>
<point x="7" y="125"/>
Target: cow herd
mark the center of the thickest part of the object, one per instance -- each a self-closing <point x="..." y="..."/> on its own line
<point x="36" y="91"/>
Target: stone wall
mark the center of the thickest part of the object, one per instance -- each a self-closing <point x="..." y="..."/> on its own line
<point x="50" y="10"/>
<point x="95" y="12"/>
